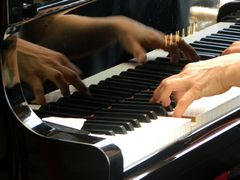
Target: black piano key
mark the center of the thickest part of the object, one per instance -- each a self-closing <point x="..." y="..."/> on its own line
<point x="46" y="113"/>
<point x="98" y="89"/>
<point x="143" y="95"/>
<point x="212" y="43"/>
<point x="106" y="96"/>
<point x="212" y="39"/>
<point x="127" y="125"/>
<point x="122" y="89"/>
<point x="144" y="76"/>
<point x="140" y="117"/>
<point x="100" y="131"/>
<point x="235" y="33"/>
<point x="146" y="71"/>
<point x="130" y="81"/>
<point x="207" y="46"/>
<point x="133" y="81"/>
<point x="134" y="122"/>
<point x="151" y="114"/>
<point x="61" y="108"/>
<point x="166" y="61"/>
<point x="230" y="28"/>
<point x="136" y="76"/>
<point x="118" y="129"/>
<point x="235" y="26"/>
<point x="226" y="36"/>
<point x="140" y="99"/>
<point x="164" y="67"/>
<point x="78" y="103"/>
<point x="123" y="84"/>
<point x="181" y="61"/>
<point x="207" y="50"/>
<point x="158" y="109"/>
<point x="205" y="56"/>
<point x="146" y="101"/>
<point x="102" y="99"/>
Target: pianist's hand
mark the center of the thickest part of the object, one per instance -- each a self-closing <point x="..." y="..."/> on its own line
<point x="37" y="64"/>
<point x="199" y="79"/>
<point x="233" y="48"/>
<point x="136" y="38"/>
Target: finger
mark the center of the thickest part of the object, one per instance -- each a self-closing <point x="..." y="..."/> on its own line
<point x="236" y="43"/>
<point x="66" y="62"/>
<point x="174" y="53"/>
<point x="163" y="91"/>
<point x="155" y="40"/>
<point x="58" y="79"/>
<point x="184" y="102"/>
<point x="73" y="78"/>
<point x="188" y="51"/>
<point x="230" y="50"/>
<point x="137" y="50"/>
<point x="38" y="90"/>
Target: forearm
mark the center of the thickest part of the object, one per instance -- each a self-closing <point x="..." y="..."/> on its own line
<point x="76" y="36"/>
<point x="232" y="73"/>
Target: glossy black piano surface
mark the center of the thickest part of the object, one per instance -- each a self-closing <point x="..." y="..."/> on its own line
<point x="33" y="149"/>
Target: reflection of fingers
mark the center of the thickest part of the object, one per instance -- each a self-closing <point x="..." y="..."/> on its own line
<point x="80" y="86"/>
<point x="188" y="51"/>
<point x="73" y="78"/>
<point x="156" y="40"/>
<point x="67" y="63"/>
<point x="137" y="50"/>
<point x="38" y="90"/>
<point x="58" y="79"/>
<point x="174" y="53"/>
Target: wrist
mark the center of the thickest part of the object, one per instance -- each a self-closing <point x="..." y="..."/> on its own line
<point x="232" y="75"/>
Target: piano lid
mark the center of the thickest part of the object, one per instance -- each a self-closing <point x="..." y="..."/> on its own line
<point x="20" y="11"/>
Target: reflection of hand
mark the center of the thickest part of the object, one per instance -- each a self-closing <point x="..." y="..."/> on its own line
<point x="10" y="67"/>
<point x="200" y="79"/>
<point x="233" y="48"/>
<point x="136" y="37"/>
<point x="37" y="64"/>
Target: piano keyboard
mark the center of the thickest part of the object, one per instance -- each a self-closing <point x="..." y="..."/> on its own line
<point x="119" y="109"/>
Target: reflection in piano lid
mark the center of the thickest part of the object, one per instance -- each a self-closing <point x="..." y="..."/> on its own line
<point x="124" y="136"/>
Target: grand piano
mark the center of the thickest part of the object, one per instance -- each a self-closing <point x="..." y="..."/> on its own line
<point x="135" y="140"/>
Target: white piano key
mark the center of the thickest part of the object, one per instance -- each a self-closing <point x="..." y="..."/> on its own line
<point x="144" y="142"/>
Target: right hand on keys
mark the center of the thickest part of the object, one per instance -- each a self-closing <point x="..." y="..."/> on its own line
<point x="199" y="79"/>
<point x="233" y="48"/>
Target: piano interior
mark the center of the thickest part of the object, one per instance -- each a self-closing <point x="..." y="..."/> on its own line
<point x="116" y="133"/>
